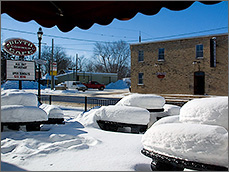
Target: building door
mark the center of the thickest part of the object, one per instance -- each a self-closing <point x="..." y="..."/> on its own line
<point x="199" y="83"/>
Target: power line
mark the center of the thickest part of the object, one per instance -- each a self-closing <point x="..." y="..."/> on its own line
<point x="54" y="36"/>
<point x="183" y="34"/>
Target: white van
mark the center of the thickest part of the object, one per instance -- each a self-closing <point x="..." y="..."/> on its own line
<point x="75" y="85"/>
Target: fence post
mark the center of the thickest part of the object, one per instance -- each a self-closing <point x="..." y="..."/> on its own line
<point x="50" y="99"/>
<point x="85" y="104"/>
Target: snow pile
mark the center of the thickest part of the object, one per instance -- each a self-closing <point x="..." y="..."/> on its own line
<point x="20" y="113"/>
<point x="198" y="134"/>
<point x="20" y="106"/>
<point x="122" y="114"/>
<point x="193" y="142"/>
<point x="212" y="111"/>
<point x="25" y="85"/>
<point x="52" y="111"/>
<point x="167" y="119"/>
<point x="120" y="84"/>
<point x="16" y="97"/>
<point x="171" y="109"/>
<point x="148" y="101"/>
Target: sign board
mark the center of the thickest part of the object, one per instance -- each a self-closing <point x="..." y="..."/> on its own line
<point x="20" y="70"/>
<point x="19" y="47"/>
<point x="213" y="52"/>
<point x="54" y="67"/>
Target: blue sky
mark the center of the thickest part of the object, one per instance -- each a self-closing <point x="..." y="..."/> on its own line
<point x="199" y="19"/>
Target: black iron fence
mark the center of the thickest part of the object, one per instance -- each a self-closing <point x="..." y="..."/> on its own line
<point x="86" y="102"/>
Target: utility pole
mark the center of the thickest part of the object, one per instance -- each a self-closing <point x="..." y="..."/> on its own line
<point x="76" y="65"/>
<point x="52" y="77"/>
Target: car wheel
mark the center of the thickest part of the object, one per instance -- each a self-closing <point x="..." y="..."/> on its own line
<point x="33" y="127"/>
<point x="163" y="166"/>
<point x="101" y="88"/>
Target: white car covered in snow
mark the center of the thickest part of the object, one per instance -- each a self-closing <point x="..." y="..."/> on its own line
<point x="196" y="139"/>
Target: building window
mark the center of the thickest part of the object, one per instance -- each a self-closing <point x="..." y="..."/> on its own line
<point x="140" y="55"/>
<point x="161" y="54"/>
<point x="140" y="78"/>
<point x="199" y="51"/>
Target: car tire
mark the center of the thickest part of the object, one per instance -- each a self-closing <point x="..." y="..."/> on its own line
<point x="157" y="165"/>
<point x="101" y="88"/>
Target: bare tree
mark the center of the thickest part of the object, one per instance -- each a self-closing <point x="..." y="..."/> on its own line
<point x="59" y="56"/>
<point x="112" y="57"/>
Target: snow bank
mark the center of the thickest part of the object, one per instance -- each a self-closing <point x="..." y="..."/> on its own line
<point x="193" y="142"/>
<point x="15" y="97"/>
<point x="120" y="84"/>
<point x="20" y="113"/>
<point x="52" y="111"/>
<point x="122" y="114"/>
<point x="212" y="111"/>
<point x="171" y="109"/>
<point x="25" y="85"/>
<point x="148" y="101"/>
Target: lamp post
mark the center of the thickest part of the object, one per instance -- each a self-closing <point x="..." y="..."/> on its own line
<point x="39" y="35"/>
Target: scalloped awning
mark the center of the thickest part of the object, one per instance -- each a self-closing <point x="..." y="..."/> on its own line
<point x="83" y="14"/>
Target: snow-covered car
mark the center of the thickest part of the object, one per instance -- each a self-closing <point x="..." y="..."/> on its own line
<point x="61" y="86"/>
<point x="196" y="139"/>
<point x="21" y="108"/>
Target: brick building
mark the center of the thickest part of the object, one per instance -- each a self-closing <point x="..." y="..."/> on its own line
<point x="196" y="65"/>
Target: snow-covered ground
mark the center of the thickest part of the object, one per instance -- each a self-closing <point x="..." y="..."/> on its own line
<point x="79" y="145"/>
<point x="72" y="147"/>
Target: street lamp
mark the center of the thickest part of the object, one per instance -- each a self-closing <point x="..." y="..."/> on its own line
<point x="39" y="35"/>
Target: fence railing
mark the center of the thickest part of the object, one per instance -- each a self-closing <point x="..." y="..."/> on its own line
<point x="86" y="102"/>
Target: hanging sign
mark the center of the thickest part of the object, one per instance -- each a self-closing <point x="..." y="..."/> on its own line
<point x="20" y="70"/>
<point x="160" y="75"/>
<point x="19" y="47"/>
<point x="53" y="68"/>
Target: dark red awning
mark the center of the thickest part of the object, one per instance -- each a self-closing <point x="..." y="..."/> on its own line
<point x="83" y="14"/>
